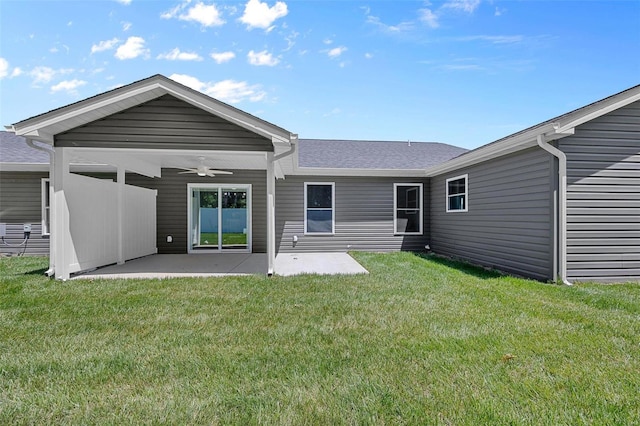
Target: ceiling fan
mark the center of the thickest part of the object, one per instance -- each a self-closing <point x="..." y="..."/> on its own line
<point x="203" y="170"/>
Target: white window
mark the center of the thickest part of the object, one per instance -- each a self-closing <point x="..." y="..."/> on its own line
<point x="46" y="207"/>
<point x="407" y="208"/>
<point x="457" y="194"/>
<point x="319" y="208"/>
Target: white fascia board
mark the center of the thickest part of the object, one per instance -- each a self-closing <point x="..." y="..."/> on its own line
<point x="44" y="167"/>
<point x="24" y="167"/>
<point x="597" y="112"/>
<point x="492" y="150"/>
<point x="317" y="171"/>
<point x="39" y="123"/>
<point x="242" y="119"/>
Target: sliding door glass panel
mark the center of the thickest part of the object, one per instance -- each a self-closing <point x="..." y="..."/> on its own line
<point x="234" y="218"/>
<point x="208" y="218"/>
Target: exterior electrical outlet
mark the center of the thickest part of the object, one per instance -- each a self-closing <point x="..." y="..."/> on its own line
<point x="27" y="227"/>
<point x="3" y="230"/>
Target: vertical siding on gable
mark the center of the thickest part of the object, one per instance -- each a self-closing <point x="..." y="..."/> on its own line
<point x="171" y="205"/>
<point x="603" y="198"/>
<point x="20" y="203"/>
<point x="508" y="225"/>
<point x="363" y="216"/>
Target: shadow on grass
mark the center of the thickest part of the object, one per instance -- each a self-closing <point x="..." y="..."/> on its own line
<point x="467" y="268"/>
<point x="39" y="271"/>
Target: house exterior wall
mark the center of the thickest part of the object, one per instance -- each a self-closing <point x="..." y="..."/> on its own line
<point x="363" y="216"/>
<point x="164" y="123"/>
<point x="20" y="203"/>
<point x="509" y="222"/>
<point x="603" y="197"/>
<point x="171" y="205"/>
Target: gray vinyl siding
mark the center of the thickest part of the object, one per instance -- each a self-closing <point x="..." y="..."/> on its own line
<point x="164" y="123"/>
<point x="171" y="205"/>
<point x="603" y="198"/>
<point x="508" y="225"/>
<point x="363" y="216"/>
<point x="21" y="203"/>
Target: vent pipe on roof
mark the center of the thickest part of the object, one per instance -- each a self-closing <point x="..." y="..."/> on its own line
<point x="562" y="205"/>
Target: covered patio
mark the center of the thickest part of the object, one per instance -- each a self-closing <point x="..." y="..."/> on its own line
<point x="177" y="161"/>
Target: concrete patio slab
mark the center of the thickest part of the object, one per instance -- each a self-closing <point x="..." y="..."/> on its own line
<point x="222" y="264"/>
<point x="288" y="264"/>
<point x="184" y="265"/>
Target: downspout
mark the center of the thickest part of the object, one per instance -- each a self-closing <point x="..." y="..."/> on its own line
<point x="562" y="205"/>
<point x="49" y="272"/>
<point x="286" y="153"/>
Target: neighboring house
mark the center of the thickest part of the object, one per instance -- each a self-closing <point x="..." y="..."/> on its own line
<point x="558" y="200"/>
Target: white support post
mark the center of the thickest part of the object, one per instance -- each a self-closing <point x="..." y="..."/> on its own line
<point x="60" y="226"/>
<point x="120" y="213"/>
<point x="271" y="214"/>
<point x="52" y="209"/>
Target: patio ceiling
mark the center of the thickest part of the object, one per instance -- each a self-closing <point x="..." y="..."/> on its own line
<point x="150" y="162"/>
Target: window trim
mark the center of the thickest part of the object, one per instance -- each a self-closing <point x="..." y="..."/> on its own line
<point x="45" y="185"/>
<point x="465" y="193"/>
<point x="333" y="208"/>
<point x="395" y="208"/>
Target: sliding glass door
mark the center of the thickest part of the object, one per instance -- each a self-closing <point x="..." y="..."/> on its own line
<point x="219" y="217"/>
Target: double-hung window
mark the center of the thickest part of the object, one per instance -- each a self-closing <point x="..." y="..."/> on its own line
<point x="319" y="208"/>
<point x="46" y="206"/>
<point x="407" y="208"/>
<point x="457" y="194"/>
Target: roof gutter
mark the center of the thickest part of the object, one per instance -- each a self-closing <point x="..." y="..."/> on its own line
<point x="562" y="205"/>
<point x="49" y="272"/>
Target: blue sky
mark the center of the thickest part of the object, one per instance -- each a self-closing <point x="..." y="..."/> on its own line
<point x="464" y="72"/>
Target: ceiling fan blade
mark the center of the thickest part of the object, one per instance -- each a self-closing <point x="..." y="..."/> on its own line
<point x="188" y="171"/>
<point x="220" y="172"/>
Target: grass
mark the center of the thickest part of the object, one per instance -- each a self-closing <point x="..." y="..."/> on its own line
<point x="211" y="238"/>
<point x="417" y="341"/>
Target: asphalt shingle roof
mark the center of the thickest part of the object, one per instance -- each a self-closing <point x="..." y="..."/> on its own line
<point x="14" y="149"/>
<point x="393" y="155"/>
<point x="321" y="153"/>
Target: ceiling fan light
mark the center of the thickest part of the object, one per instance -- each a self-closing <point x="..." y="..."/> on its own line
<point x="202" y="173"/>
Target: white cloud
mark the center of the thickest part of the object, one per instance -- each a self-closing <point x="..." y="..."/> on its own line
<point x="334" y="111"/>
<point x="391" y="29"/>
<point x="17" y="71"/>
<point x="262" y="58"/>
<point x="468" y="6"/>
<point x="126" y="26"/>
<point x="260" y="15"/>
<point x="177" y="55"/>
<point x="223" y="57"/>
<point x="336" y="51"/>
<point x="69" y="86"/>
<point x="45" y="74"/>
<point x="125" y="2"/>
<point x="206" y="15"/>
<point x="132" y="48"/>
<point x="327" y="41"/>
<point x="226" y="90"/>
<point x="368" y="55"/>
<point x="4" y="67"/>
<point x="104" y="45"/>
<point x="428" y="17"/>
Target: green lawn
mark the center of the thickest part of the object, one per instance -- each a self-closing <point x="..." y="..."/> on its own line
<point x="211" y="238"/>
<point x="417" y="341"/>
